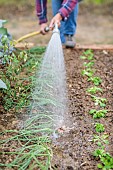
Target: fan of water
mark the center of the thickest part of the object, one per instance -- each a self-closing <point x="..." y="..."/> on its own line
<point x="49" y="96"/>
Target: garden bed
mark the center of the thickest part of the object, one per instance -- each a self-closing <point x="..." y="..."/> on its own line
<point x="73" y="149"/>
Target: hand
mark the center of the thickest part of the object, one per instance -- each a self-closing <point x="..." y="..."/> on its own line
<point x="42" y="28"/>
<point x="56" y="20"/>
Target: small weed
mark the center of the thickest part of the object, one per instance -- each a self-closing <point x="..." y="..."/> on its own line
<point x="99" y="127"/>
<point x="88" y="72"/>
<point x="98" y="114"/>
<point x="99" y="101"/>
<point x="95" y="80"/>
<point x="94" y="90"/>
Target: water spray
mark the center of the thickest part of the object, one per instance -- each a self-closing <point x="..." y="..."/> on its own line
<point x="49" y="97"/>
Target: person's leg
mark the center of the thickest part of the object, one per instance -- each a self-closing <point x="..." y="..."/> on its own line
<point x="71" y="23"/>
<point x="56" y="5"/>
<point x="70" y="28"/>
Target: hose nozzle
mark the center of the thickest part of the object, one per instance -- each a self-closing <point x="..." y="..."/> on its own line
<point x="46" y="29"/>
<point x="56" y="30"/>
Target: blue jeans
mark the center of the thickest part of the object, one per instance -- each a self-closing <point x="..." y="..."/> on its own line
<point x="69" y="26"/>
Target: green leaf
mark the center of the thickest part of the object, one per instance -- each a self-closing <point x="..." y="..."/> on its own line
<point x="2" y="22"/>
<point x="99" y="127"/>
<point x="106" y="141"/>
<point x="102" y="104"/>
<point x="100" y="166"/>
<point x="88" y="72"/>
<point x="3" y="31"/>
<point x="2" y="85"/>
<point x="95" y="80"/>
<point x="94" y="90"/>
<point x="92" y="111"/>
<point x="83" y="57"/>
<point x="99" y="144"/>
<point x="89" y="64"/>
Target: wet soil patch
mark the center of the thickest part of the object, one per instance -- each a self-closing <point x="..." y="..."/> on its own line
<point x="73" y="150"/>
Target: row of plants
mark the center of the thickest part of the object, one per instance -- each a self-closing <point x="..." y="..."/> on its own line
<point x="100" y="137"/>
<point x="27" y="147"/>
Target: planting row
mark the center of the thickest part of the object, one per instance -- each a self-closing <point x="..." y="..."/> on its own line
<point x="26" y="147"/>
<point x="100" y="137"/>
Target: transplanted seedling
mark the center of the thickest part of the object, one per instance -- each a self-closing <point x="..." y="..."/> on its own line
<point x="88" y="54"/>
<point x="101" y="139"/>
<point x="98" y="113"/>
<point x="95" y="80"/>
<point x="99" y="101"/>
<point x="99" y="127"/>
<point x="94" y="90"/>
<point x="105" y="158"/>
<point x="89" y="64"/>
<point x="88" y="72"/>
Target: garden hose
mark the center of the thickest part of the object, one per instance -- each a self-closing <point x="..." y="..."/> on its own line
<point x="31" y="35"/>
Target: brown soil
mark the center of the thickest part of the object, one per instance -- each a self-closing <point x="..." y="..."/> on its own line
<point x="73" y="150"/>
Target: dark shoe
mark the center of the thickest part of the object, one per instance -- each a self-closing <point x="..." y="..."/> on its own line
<point x="70" y="43"/>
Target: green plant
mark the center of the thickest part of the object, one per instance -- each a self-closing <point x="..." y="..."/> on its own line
<point x="6" y="47"/>
<point x="3" y="31"/>
<point x="105" y="158"/>
<point x="95" y="80"/>
<point x="88" y="72"/>
<point x="94" y="90"/>
<point x="100" y="140"/>
<point x="88" y="64"/>
<point x="88" y="54"/>
<point x="27" y="147"/>
<point x="17" y="74"/>
<point x="99" y="101"/>
<point x="98" y="113"/>
<point x="99" y="127"/>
